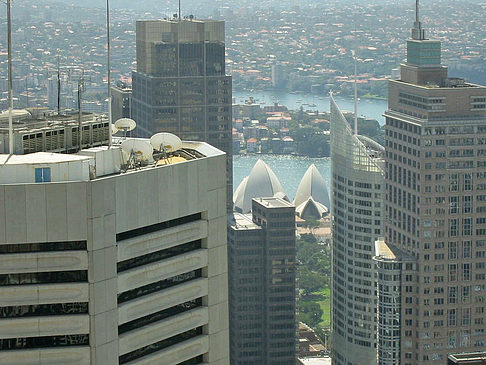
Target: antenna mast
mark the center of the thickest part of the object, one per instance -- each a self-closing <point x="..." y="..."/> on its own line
<point x="109" y="70"/>
<point x="355" y="94"/>
<point x="179" y="10"/>
<point x="417" y="31"/>
<point x="10" y="97"/>
<point x="58" y="87"/>
<point x="417" y="11"/>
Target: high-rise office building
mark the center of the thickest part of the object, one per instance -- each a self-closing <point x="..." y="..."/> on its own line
<point x="262" y="264"/>
<point x="121" y="102"/>
<point x="180" y="85"/>
<point x="435" y="208"/>
<point x="104" y="264"/>
<point x="357" y="211"/>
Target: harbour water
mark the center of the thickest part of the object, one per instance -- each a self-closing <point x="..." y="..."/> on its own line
<point x="371" y="108"/>
<point x="289" y="169"/>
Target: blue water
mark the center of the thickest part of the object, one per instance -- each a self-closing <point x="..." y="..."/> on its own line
<point x="289" y="169"/>
<point x="366" y="107"/>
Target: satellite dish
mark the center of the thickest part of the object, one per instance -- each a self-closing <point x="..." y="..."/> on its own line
<point x="114" y="129"/>
<point x="125" y="124"/>
<point x="166" y="142"/>
<point x="137" y="148"/>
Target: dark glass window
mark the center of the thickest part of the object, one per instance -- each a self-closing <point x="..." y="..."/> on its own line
<point x="157" y="227"/>
<point x="191" y="60"/>
<point x="158" y="316"/>
<point x="43" y="247"/>
<point x="56" y="309"/>
<point x="44" y="277"/>
<point x="157" y="346"/>
<point x="20" y="343"/>
<point x="194" y="361"/>
<point x="159" y="285"/>
<point x="158" y="255"/>
<point x="215" y="65"/>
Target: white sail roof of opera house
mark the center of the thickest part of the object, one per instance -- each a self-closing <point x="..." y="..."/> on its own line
<point x="311" y="209"/>
<point x="262" y="182"/>
<point x="312" y="185"/>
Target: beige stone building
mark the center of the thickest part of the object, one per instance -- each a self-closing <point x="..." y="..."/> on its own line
<point x="436" y="213"/>
<point x="105" y="264"/>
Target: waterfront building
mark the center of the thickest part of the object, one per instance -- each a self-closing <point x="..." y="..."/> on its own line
<point x="357" y="221"/>
<point x="262" y="181"/>
<point x="312" y="197"/>
<point x="262" y="265"/>
<point x="105" y="263"/>
<point x="435" y="206"/>
<point x="180" y="85"/>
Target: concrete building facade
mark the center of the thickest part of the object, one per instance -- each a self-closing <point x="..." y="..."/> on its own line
<point x="262" y="264"/>
<point x="357" y="221"/>
<point x="103" y="267"/>
<point x="435" y="204"/>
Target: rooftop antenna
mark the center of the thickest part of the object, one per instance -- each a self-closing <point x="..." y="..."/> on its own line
<point x="58" y="87"/>
<point x="109" y="70"/>
<point x="81" y="84"/>
<point x="179" y="10"/>
<point x="10" y="96"/>
<point x="355" y="93"/>
<point x="417" y="32"/>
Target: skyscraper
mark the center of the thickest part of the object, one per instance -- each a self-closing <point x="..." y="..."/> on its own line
<point x="261" y="254"/>
<point x="180" y="85"/>
<point x="102" y="264"/>
<point x="435" y="207"/>
<point x="357" y="211"/>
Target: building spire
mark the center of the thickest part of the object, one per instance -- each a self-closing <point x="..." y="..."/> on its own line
<point x="417" y="32"/>
<point x="417" y="11"/>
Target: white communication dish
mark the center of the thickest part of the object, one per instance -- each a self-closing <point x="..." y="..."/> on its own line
<point x="125" y="124"/>
<point x="165" y="142"/>
<point x="139" y="149"/>
<point x="114" y="129"/>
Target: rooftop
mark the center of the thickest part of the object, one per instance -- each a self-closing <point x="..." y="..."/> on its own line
<point x="274" y="202"/>
<point x="477" y="358"/>
<point x="95" y="162"/>
<point x="315" y="361"/>
<point x="240" y="221"/>
<point x="389" y="253"/>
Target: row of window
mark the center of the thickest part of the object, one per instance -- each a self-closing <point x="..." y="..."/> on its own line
<point x="75" y="276"/>
<point x="159" y="285"/>
<point x="55" y="309"/>
<point x="157" y="346"/>
<point x="160" y="315"/>
<point x="21" y="343"/>
<point x="157" y="227"/>
<point x="158" y="255"/>
<point x="42" y="247"/>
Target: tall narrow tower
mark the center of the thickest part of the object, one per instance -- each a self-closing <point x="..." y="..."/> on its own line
<point x="180" y="85"/>
<point x="357" y="213"/>
<point x="435" y="209"/>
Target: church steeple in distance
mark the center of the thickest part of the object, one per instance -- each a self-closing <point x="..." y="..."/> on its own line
<point x="417" y="32"/>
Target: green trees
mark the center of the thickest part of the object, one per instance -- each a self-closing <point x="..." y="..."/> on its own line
<point x="313" y="273"/>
